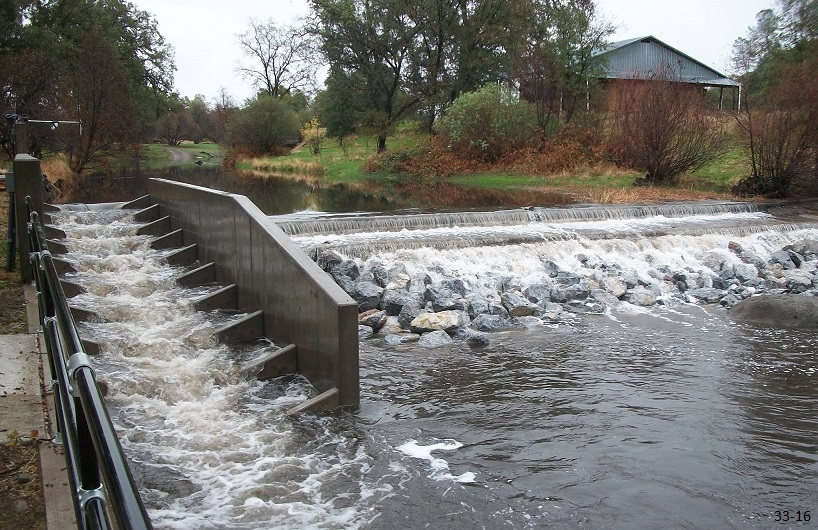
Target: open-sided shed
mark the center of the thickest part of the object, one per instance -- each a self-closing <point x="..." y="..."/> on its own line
<point x="646" y="58"/>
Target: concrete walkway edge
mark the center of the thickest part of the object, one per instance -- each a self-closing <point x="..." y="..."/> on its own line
<point x="26" y="406"/>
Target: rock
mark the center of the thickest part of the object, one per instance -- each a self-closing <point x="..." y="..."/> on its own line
<point x="364" y="332"/>
<point x="527" y="322"/>
<point x="730" y="300"/>
<point x="441" y="299"/>
<point x="434" y="339"/>
<point x="454" y="285"/>
<point x="368" y="295"/>
<point x="539" y="293"/>
<point x="419" y="282"/>
<point x="486" y="322"/>
<point x="614" y="285"/>
<point x="753" y="259"/>
<point x="798" y="281"/>
<point x="641" y="296"/>
<point x="443" y="320"/>
<point x="346" y="268"/>
<point x="475" y="339"/>
<point x="398" y="282"/>
<point x="497" y="308"/>
<point x="373" y="318"/>
<point x="783" y="258"/>
<point x="576" y="291"/>
<point x="551" y="268"/>
<point x="582" y="307"/>
<point x="787" y="311"/>
<point x="551" y="312"/>
<point x="393" y="301"/>
<point x="476" y="305"/>
<point x="517" y="304"/>
<point x="394" y="339"/>
<point x="605" y="297"/>
<point x="735" y="248"/>
<point x="745" y="272"/>
<point x="807" y="247"/>
<point x="346" y="284"/>
<point x="408" y="313"/>
<point x="20" y="506"/>
<point x="707" y="295"/>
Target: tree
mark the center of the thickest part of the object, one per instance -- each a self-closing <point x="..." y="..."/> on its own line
<point x="778" y="63"/>
<point x="200" y="118"/>
<point x="223" y="109"/>
<point x="103" y="63"/>
<point x="263" y="126"/>
<point x="559" y="63"/>
<point x="375" y="40"/>
<point x="281" y="58"/>
<point x="487" y="123"/>
<point x="663" y="127"/>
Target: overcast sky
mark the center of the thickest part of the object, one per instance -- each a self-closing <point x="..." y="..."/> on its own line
<point x="203" y="32"/>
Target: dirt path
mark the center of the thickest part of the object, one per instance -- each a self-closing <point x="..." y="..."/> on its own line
<point x="178" y="156"/>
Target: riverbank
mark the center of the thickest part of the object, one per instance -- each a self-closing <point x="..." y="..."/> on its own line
<point x="529" y="178"/>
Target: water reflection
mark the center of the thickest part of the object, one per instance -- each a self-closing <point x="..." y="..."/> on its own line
<point x="276" y="195"/>
<point x="273" y="195"/>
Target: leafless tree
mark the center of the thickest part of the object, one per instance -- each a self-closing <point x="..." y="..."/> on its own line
<point x="281" y="58"/>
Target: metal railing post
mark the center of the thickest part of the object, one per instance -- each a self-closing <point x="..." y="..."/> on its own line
<point x="97" y="467"/>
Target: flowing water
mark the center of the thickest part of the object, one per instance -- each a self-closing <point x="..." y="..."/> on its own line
<point x="641" y="417"/>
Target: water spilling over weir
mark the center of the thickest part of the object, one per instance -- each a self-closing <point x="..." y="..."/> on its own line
<point x="632" y="415"/>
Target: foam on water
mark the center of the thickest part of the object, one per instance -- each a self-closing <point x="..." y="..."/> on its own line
<point x="210" y="446"/>
<point x="439" y="468"/>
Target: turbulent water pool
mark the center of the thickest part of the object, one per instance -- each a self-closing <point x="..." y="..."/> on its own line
<point x="669" y="415"/>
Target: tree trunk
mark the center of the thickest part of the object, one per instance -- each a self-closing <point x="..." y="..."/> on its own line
<point x="382" y="142"/>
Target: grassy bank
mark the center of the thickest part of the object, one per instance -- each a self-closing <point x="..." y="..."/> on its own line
<point x="342" y="163"/>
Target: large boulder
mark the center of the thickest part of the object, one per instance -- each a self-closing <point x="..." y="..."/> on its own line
<point x="788" y="311"/>
<point x="434" y="339"/>
<point x="517" y="304"/>
<point x="368" y="295"/>
<point x="441" y="321"/>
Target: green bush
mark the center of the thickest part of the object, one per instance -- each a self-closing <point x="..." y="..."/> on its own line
<point x="487" y="123"/>
<point x="264" y="125"/>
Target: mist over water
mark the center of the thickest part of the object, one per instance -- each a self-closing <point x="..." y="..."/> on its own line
<point x="641" y="417"/>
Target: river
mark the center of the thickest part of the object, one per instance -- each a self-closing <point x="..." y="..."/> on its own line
<point x="636" y="417"/>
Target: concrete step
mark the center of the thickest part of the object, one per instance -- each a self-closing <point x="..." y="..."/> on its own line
<point x="184" y="257"/>
<point x="248" y="328"/>
<point x="275" y="361"/>
<point x="71" y="289"/>
<point x="173" y="239"/>
<point x="198" y="276"/>
<point x="224" y="298"/>
<point x="149" y="214"/>
<point x="159" y="227"/>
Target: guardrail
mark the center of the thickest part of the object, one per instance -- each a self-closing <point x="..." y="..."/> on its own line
<point x="97" y="469"/>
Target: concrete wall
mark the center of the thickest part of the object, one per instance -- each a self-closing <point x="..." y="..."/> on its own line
<point x="301" y="303"/>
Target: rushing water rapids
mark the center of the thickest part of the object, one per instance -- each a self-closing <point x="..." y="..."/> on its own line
<point x="640" y="417"/>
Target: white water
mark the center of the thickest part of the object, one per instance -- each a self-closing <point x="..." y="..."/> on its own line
<point x="211" y="447"/>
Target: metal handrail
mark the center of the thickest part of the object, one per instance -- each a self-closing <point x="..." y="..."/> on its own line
<point x="84" y="426"/>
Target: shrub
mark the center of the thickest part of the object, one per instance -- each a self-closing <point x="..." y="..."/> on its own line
<point x="264" y="125"/>
<point x="780" y="151"/>
<point x="664" y="128"/>
<point x="487" y="123"/>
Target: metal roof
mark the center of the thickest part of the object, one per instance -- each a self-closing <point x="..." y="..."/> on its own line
<point x="645" y="57"/>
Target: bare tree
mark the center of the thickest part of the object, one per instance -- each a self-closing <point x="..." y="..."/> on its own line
<point x="664" y="127"/>
<point x="281" y="58"/>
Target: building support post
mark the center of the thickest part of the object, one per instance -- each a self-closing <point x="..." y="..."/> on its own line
<point x="28" y="181"/>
